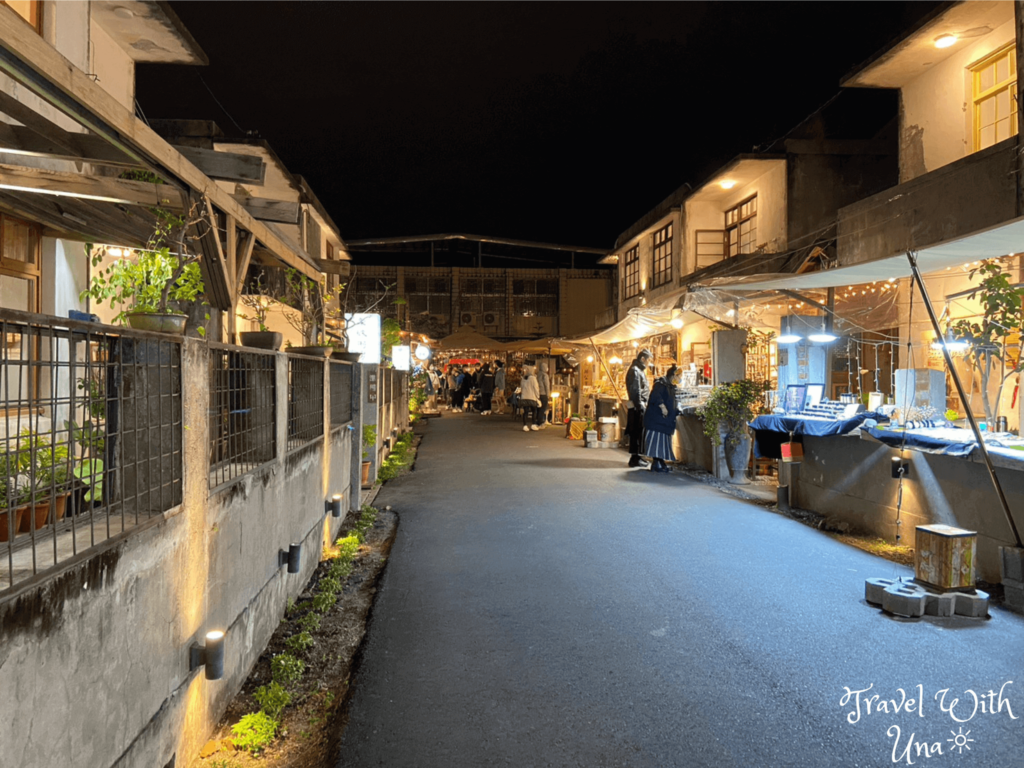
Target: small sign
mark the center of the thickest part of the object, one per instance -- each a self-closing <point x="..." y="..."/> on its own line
<point x="401" y="357"/>
<point x="363" y="331"/>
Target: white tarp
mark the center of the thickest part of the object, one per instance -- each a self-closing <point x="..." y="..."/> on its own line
<point x="992" y="243"/>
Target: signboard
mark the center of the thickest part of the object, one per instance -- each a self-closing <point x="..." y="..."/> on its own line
<point x="363" y="332"/>
<point x="401" y="357"/>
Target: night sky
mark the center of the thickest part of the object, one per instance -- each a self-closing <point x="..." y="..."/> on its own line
<point x="556" y="122"/>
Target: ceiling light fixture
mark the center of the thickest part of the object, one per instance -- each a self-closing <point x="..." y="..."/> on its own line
<point x="727" y="183"/>
<point x="944" y="41"/>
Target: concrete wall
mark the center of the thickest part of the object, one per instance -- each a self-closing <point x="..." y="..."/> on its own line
<point x="113" y="68"/>
<point x="964" y="196"/>
<point x="850" y="479"/>
<point x="936" y="113"/>
<point x="110" y="631"/>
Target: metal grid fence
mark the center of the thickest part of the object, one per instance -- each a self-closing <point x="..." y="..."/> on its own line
<point x="243" y="412"/>
<point x="305" y="401"/>
<point x="341" y="393"/>
<point x="90" y="437"/>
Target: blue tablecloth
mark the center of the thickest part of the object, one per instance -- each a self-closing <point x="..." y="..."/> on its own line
<point x="818" y="427"/>
<point x="771" y="431"/>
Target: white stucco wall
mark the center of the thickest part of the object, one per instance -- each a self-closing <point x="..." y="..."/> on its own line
<point x="113" y="68"/>
<point x="66" y="28"/>
<point x="936" y="108"/>
<point x="65" y="276"/>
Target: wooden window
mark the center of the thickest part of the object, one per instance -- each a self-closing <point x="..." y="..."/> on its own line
<point x="30" y="10"/>
<point x="19" y="263"/>
<point x="663" y="255"/>
<point x="994" y="88"/>
<point x="710" y="246"/>
<point x="741" y="227"/>
<point x="631" y="273"/>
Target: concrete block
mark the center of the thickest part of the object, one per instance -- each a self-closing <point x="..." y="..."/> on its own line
<point x="873" y="589"/>
<point x="973" y="606"/>
<point x="1011" y="564"/>
<point x="1013" y="595"/>
<point x="940" y="605"/>
<point x="904" y="600"/>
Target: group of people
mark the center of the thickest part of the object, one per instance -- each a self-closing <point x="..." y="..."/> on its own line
<point x="489" y="383"/>
<point x="651" y="418"/>
<point x="534" y="395"/>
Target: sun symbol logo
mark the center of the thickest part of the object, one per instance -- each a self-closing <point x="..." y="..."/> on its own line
<point x="960" y="740"/>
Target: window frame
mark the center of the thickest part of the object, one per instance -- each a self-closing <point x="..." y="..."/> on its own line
<point x="978" y="98"/>
<point x="631" y="272"/>
<point x="36" y="11"/>
<point x="661" y="256"/>
<point x="737" y="227"/>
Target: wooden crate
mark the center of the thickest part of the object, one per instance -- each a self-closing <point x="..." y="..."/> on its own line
<point x="944" y="556"/>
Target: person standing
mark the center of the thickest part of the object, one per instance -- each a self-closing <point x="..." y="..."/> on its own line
<point x="660" y="420"/>
<point x="450" y="380"/>
<point x="544" y="386"/>
<point x="529" y="398"/>
<point x="465" y="387"/>
<point x="430" y="388"/>
<point x="498" y="402"/>
<point x="638" y="392"/>
<point x="486" y="389"/>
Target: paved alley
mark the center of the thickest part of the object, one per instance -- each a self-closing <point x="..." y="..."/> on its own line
<point x="546" y="606"/>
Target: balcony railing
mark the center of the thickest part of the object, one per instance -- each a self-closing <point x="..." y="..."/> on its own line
<point x="243" y="412"/>
<point x="90" y="437"/>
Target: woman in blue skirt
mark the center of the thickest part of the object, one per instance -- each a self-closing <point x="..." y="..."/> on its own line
<point x="660" y="420"/>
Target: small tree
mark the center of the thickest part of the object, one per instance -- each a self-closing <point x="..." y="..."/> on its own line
<point x="729" y="408"/>
<point x="990" y="336"/>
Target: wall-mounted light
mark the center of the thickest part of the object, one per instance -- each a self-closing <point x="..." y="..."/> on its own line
<point x="727" y="183"/>
<point x="900" y="468"/>
<point x="210" y="656"/>
<point x="333" y="505"/>
<point x="292" y="557"/>
<point x="944" y="41"/>
<point x="677" y="323"/>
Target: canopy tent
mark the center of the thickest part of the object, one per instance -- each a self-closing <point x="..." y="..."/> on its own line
<point x="638" y="324"/>
<point x="467" y="338"/>
<point x="994" y="242"/>
<point x="547" y="346"/>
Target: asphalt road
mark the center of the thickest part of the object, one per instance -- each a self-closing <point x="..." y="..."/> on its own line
<point x="546" y="606"/>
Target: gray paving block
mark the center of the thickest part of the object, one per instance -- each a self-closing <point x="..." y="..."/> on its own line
<point x="873" y="589"/>
<point x="940" y="604"/>
<point x="974" y="606"/>
<point x="904" y="600"/>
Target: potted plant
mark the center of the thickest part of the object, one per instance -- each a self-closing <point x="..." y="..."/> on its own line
<point x="142" y="288"/>
<point x="34" y="478"/>
<point x="369" y="443"/>
<point x="996" y="332"/>
<point x="590" y="435"/>
<point x="726" y="414"/>
<point x="258" y="304"/>
<point x="11" y="468"/>
<point x="310" y="299"/>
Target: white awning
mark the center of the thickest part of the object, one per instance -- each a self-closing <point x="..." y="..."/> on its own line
<point x="641" y="322"/>
<point x="1002" y="240"/>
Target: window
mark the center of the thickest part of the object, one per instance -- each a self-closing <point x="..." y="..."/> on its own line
<point x="994" y="88"/>
<point x="19" y="264"/>
<point x="30" y="10"/>
<point x="663" y="255"/>
<point x="535" y="297"/>
<point x="631" y="273"/>
<point x="741" y="227"/>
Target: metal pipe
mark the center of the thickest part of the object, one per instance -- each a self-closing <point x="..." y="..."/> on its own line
<point x="912" y="257"/>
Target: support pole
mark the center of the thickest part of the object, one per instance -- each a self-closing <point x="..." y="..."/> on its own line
<point x="912" y="257"/>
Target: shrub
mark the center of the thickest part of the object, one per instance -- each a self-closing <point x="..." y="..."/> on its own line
<point x="299" y="642"/>
<point x="310" y="622"/>
<point x="729" y="408"/>
<point x="254" y="732"/>
<point x="340" y="569"/>
<point x="272" y="698"/>
<point x="347" y="548"/>
<point x="324" y="601"/>
<point x="329" y="584"/>
<point x="286" y="669"/>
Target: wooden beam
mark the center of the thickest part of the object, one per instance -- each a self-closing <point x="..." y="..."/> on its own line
<point x="35" y="122"/>
<point x="340" y="268"/>
<point x="48" y="212"/>
<point x="246" y="243"/>
<point x="86" y="148"/>
<point x="216" y="284"/>
<point x="103" y="188"/>
<point x="264" y="209"/>
<point x="33" y="63"/>
<point x="226" y="166"/>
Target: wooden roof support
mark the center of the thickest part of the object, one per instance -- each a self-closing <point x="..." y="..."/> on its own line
<point x="102" y="188"/>
<point x="32" y="62"/>
<point x="36" y="123"/>
<point x="85" y="148"/>
<point x="211" y="262"/>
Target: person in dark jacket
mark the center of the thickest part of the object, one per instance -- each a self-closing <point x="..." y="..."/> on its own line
<point x="638" y="392"/>
<point x="660" y="420"/>
<point x="465" y="387"/>
<point x="486" y="389"/>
